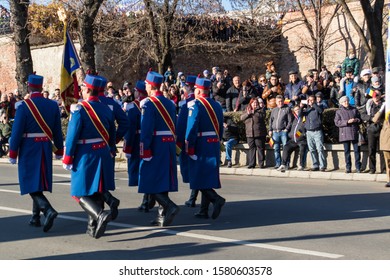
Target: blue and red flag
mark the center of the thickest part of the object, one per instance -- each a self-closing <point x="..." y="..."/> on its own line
<point x="70" y="63"/>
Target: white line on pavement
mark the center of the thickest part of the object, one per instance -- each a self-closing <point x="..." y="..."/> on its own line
<point x="200" y="236"/>
<point x="9" y="191"/>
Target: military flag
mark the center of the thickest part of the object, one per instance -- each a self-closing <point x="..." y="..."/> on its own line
<point x="70" y="63"/>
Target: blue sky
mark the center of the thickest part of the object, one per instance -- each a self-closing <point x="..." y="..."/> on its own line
<point x="226" y="4"/>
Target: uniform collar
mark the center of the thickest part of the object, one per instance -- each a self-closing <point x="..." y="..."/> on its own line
<point x="93" y="98"/>
<point x="36" y="94"/>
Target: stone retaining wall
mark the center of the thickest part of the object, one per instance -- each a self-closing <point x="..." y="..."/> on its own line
<point x="334" y="156"/>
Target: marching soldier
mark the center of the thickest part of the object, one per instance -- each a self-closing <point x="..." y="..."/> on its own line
<point x="181" y="127"/>
<point x="89" y="149"/>
<point x="158" y="170"/>
<point x="123" y="126"/>
<point x="36" y="133"/>
<point x="132" y="141"/>
<point x="204" y="131"/>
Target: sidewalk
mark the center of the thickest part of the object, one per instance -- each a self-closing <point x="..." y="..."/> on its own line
<point x="121" y="165"/>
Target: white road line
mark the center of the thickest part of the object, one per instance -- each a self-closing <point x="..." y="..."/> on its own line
<point x="200" y="236"/>
<point x="9" y="191"/>
<point x="62" y="175"/>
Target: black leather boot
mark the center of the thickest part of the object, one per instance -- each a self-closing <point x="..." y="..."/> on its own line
<point x="204" y="208"/>
<point x="217" y="201"/>
<point x="91" y="228"/>
<point x="191" y="201"/>
<point x="48" y="211"/>
<point x="144" y="207"/>
<point x="93" y="207"/>
<point x="36" y="218"/>
<point x="113" y="202"/>
<point x="159" y="220"/>
<point x="170" y="208"/>
<point x="152" y="201"/>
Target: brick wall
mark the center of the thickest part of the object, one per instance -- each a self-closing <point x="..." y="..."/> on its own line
<point x="341" y="37"/>
<point x="47" y="59"/>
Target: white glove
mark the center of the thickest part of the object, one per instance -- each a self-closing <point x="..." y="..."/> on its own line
<point x="194" y="157"/>
<point x="128" y="156"/>
<point x="57" y="157"/>
<point x="12" y="160"/>
<point x="382" y="107"/>
<point x="147" y="159"/>
<point x="67" y="166"/>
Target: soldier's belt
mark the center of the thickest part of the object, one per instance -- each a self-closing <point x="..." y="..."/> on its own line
<point x="33" y="135"/>
<point x="90" y="141"/>
<point x="163" y="133"/>
<point x="207" y="133"/>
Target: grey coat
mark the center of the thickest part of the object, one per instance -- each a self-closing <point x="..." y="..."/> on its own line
<point x="347" y="132"/>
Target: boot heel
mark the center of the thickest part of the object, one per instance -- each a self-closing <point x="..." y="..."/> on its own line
<point x="49" y="220"/>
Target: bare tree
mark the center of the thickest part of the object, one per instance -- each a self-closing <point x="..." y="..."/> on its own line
<point x="318" y="29"/>
<point x="86" y="18"/>
<point x="154" y="31"/>
<point x="86" y="11"/>
<point x="24" y="63"/>
<point x="373" y="41"/>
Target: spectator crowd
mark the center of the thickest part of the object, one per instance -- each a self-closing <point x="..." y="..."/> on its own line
<point x="286" y="115"/>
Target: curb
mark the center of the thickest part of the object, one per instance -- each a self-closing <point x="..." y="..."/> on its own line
<point x="270" y="172"/>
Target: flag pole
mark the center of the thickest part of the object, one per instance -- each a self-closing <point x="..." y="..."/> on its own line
<point x="62" y="16"/>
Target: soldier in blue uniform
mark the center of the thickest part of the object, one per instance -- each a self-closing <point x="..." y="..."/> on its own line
<point x="204" y="131"/>
<point x="132" y="140"/>
<point x="181" y="127"/>
<point x="89" y="149"/>
<point x="37" y="124"/>
<point x="122" y="126"/>
<point x="158" y="170"/>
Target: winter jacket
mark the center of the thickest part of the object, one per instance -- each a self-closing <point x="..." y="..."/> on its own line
<point x="313" y="116"/>
<point x="347" y="131"/>
<point x="219" y="93"/>
<point x="280" y="119"/>
<point x="231" y="98"/>
<point x="334" y="95"/>
<point x="361" y="95"/>
<point x="243" y="101"/>
<point x="231" y="131"/>
<point x="254" y="123"/>
<point x="294" y="89"/>
<point x="384" y="143"/>
<point x="347" y="88"/>
<point x="354" y="63"/>
<point x="269" y="96"/>
<point x="298" y="131"/>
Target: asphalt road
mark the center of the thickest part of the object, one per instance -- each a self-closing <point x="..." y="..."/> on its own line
<point x="264" y="218"/>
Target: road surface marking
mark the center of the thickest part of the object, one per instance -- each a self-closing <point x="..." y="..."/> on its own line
<point x="199" y="236"/>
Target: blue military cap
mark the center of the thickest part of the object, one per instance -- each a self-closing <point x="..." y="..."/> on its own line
<point x="92" y="82"/>
<point x="140" y="86"/>
<point x="202" y="83"/>
<point x="191" y="79"/>
<point x="35" y="81"/>
<point x="155" y="79"/>
<point x="102" y="83"/>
